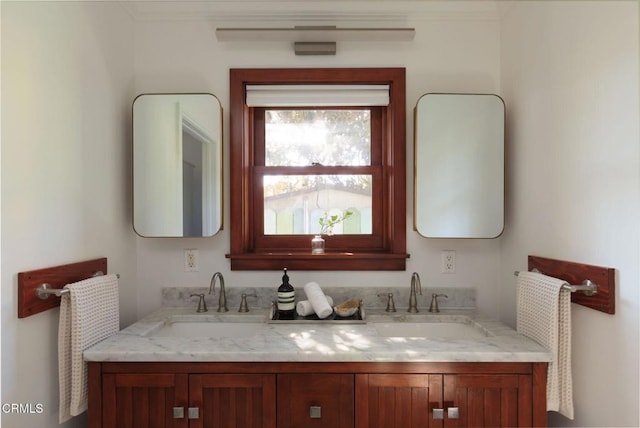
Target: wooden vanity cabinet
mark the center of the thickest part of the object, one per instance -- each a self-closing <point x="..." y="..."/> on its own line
<point x="156" y="395"/>
<point x="317" y="395"/>
<point x="450" y="400"/>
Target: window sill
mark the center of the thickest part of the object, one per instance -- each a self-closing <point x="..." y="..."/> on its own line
<point x="327" y="261"/>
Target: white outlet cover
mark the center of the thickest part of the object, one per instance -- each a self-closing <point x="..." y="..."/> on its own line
<point x="191" y="260"/>
<point x="448" y="261"/>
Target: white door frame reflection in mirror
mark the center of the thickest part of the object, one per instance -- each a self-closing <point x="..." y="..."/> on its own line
<point x="177" y="165"/>
<point x="459" y="166"/>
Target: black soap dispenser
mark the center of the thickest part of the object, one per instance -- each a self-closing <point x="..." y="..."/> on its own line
<point x="286" y="299"/>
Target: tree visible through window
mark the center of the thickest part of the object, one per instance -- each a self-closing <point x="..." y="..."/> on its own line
<point x="329" y="137"/>
<point x="294" y="204"/>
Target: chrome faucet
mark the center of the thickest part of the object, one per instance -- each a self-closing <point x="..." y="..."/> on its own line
<point x="413" y="298"/>
<point x="222" y="298"/>
<point x="433" y="307"/>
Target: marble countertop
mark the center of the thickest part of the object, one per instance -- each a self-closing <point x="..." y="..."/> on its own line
<point x="316" y="341"/>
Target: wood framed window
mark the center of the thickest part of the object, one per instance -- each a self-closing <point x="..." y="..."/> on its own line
<point x="282" y="179"/>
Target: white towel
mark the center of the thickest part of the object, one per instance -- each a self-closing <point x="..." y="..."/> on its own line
<point x="318" y="300"/>
<point x="544" y="315"/>
<point x="89" y="313"/>
<point x="304" y="307"/>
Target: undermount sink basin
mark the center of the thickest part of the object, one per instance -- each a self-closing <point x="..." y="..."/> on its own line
<point x="431" y="330"/>
<point x="208" y="329"/>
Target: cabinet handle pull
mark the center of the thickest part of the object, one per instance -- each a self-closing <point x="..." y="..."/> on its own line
<point x="453" y="413"/>
<point x="178" y="413"/>
<point x="438" y="414"/>
<point x="194" y="412"/>
<point x="315" y="412"/>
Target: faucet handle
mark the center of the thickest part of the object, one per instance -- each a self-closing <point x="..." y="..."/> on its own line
<point x="433" y="307"/>
<point x="243" y="302"/>
<point x="202" y="305"/>
<point x="391" y="306"/>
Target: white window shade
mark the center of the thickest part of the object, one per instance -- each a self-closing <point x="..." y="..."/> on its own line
<point x="317" y="95"/>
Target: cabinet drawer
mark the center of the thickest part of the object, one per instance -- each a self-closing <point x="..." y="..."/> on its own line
<point x="315" y="400"/>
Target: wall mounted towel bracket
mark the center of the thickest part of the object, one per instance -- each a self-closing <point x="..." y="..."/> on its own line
<point x="55" y="278"/>
<point x="588" y="288"/>
<point x="45" y="290"/>
<point x="603" y="299"/>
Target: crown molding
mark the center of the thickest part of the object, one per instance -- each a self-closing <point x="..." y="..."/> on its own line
<point x="310" y="12"/>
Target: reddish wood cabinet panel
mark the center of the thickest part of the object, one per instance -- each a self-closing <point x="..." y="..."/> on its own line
<point x="449" y="400"/>
<point x="143" y="400"/>
<point x="233" y="400"/>
<point x="222" y="400"/>
<point x="397" y="400"/>
<point x="330" y="395"/>
<point x="488" y="400"/>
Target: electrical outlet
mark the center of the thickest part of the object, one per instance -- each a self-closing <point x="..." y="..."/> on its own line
<point x="448" y="261"/>
<point x="191" y="260"/>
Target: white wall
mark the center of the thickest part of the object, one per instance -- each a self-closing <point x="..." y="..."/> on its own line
<point x="570" y="82"/>
<point x="568" y="73"/>
<point x="67" y="80"/>
<point x="447" y="55"/>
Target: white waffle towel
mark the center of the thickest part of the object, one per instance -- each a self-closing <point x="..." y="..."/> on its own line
<point x="89" y="313"/>
<point x="318" y="300"/>
<point x="304" y="307"/>
<point x="544" y="315"/>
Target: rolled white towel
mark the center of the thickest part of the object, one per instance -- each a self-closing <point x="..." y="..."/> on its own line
<point x="304" y="307"/>
<point x="318" y="300"/>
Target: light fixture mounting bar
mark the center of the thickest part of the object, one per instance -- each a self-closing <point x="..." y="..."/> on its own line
<point x="315" y="34"/>
<point x="314" y="48"/>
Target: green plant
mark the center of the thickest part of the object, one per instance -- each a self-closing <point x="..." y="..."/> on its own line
<point x="328" y="221"/>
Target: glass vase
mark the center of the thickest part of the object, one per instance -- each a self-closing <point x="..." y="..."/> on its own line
<point x="317" y="245"/>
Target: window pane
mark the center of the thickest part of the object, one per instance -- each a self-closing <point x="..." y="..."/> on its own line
<point x="294" y="204"/>
<point x="327" y="137"/>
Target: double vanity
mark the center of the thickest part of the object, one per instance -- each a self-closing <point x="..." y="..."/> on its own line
<point x="180" y="368"/>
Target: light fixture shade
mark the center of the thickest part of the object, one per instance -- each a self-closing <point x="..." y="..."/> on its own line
<point x="315" y="34"/>
<point x="317" y="95"/>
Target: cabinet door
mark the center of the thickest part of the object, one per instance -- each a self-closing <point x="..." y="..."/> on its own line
<point x="232" y="400"/>
<point x="488" y="400"/>
<point x="144" y="400"/>
<point x="398" y="400"/>
<point x="315" y="400"/>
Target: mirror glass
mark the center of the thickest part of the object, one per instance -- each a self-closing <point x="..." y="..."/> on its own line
<point x="459" y="166"/>
<point x="177" y="165"/>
